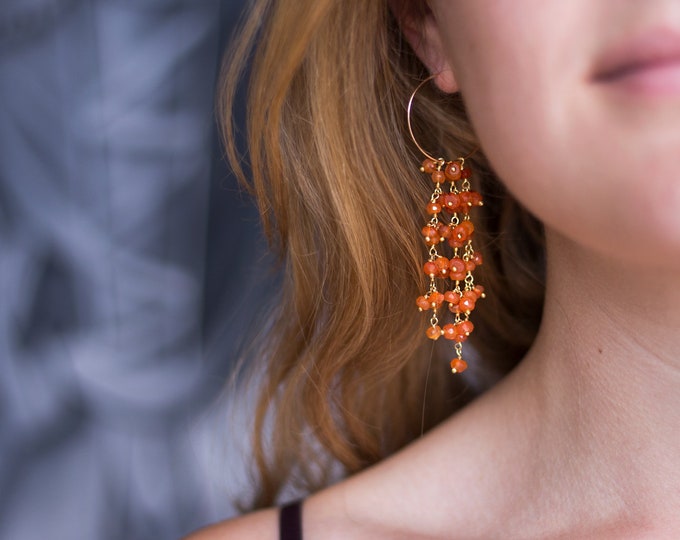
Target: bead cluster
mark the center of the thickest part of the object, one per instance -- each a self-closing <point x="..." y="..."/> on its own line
<point x="450" y="224"/>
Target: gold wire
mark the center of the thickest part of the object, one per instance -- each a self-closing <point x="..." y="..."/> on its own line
<point x="409" y="108"/>
<point x="408" y="118"/>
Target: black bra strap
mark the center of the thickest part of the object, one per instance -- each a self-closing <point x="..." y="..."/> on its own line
<point x="290" y="521"/>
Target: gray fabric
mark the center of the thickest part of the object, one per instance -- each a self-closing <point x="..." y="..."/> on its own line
<point x="121" y="248"/>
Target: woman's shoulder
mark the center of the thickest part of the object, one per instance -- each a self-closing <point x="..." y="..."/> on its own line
<point x="256" y="526"/>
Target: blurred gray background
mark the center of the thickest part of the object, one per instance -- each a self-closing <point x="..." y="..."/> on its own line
<point x="130" y="266"/>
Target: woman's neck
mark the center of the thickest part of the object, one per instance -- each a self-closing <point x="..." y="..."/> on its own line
<point x="581" y="440"/>
<point x="605" y="376"/>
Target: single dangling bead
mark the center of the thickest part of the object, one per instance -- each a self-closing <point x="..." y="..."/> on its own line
<point x="459" y="338"/>
<point x="453" y="170"/>
<point x="468" y="199"/>
<point x="457" y="267"/>
<point x="467" y="302"/>
<point x="465" y="328"/>
<point x="458" y="365"/>
<point x="430" y="269"/>
<point x="438" y="177"/>
<point x="449" y="331"/>
<point x="434" y="332"/>
<point x="423" y="303"/>
<point x="475" y="198"/>
<point x="465" y="204"/>
<point x="434" y="208"/>
<point x="450" y="202"/>
<point x="452" y="297"/>
<point x="468" y="227"/>
<point x="431" y="235"/>
<point x="428" y="166"/>
<point x="460" y="233"/>
<point x="444" y="231"/>
<point x="455" y="243"/>
<point x="442" y="266"/>
<point x="436" y="299"/>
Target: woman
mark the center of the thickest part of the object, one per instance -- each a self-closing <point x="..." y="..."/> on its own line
<point x="575" y="108"/>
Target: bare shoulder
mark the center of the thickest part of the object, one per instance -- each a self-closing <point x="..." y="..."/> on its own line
<point x="262" y="525"/>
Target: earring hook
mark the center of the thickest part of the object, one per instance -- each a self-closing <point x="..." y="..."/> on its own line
<point x="410" y="126"/>
<point x="408" y="119"/>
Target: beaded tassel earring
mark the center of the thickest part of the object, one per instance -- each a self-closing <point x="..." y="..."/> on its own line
<point x="449" y="271"/>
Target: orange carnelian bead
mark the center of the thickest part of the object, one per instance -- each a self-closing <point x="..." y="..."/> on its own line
<point x="452" y="170"/>
<point x="477" y="258"/>
<point x="434" y="332"/>
<point x="451" y="202"/>
<point x="442" y="265"/>
<point x="466" y="173"/>
<point x="458" y="365"/>
<point x="470" y="266"/>
<point x="467" y="304"/>
<point x="430" y="268"/>
<point x="468" y="226"/>
<point x="478" y="290"/>
<point x="438" y="177"/>
<point x="475" y="198"/>
<point x="434" y="208"/>
<point x="458" y="276"/>
<point x="454" y="308"/>
<point x="452" y="297"/>
<point x="423" y="303"/>
<point x="428" y="166"/>
<point x="457" y="267"/>
<point x="449" y="331"/>
<point x="435" y="298"/>
<point x="459" y="233"/>
<point x="465" y="328"/>
<point x="444" y="230"/>
<point x="465" y="204"/>
<point x="455" y="243"/>
<point x="471" y="294"/>
<point x="431" y="235"/>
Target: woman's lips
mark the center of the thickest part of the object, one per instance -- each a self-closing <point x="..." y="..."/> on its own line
<point x="647" y="65"/>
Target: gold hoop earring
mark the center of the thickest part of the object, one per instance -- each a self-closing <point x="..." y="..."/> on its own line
<point x="449" y="224"/>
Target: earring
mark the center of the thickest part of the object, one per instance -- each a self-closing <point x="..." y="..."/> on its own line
<point x="449" y="224"/>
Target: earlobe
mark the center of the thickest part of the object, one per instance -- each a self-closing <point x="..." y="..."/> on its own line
<point x="423" y="34"/>
<point x="446" y="81"/>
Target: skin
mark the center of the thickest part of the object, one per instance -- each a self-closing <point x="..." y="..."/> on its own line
<point x="582" y="440"/>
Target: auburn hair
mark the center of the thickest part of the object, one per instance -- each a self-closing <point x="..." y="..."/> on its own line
<point x="344" y="365"/>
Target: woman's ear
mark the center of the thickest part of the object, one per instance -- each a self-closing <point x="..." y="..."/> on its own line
<point x="420" y="28"/>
